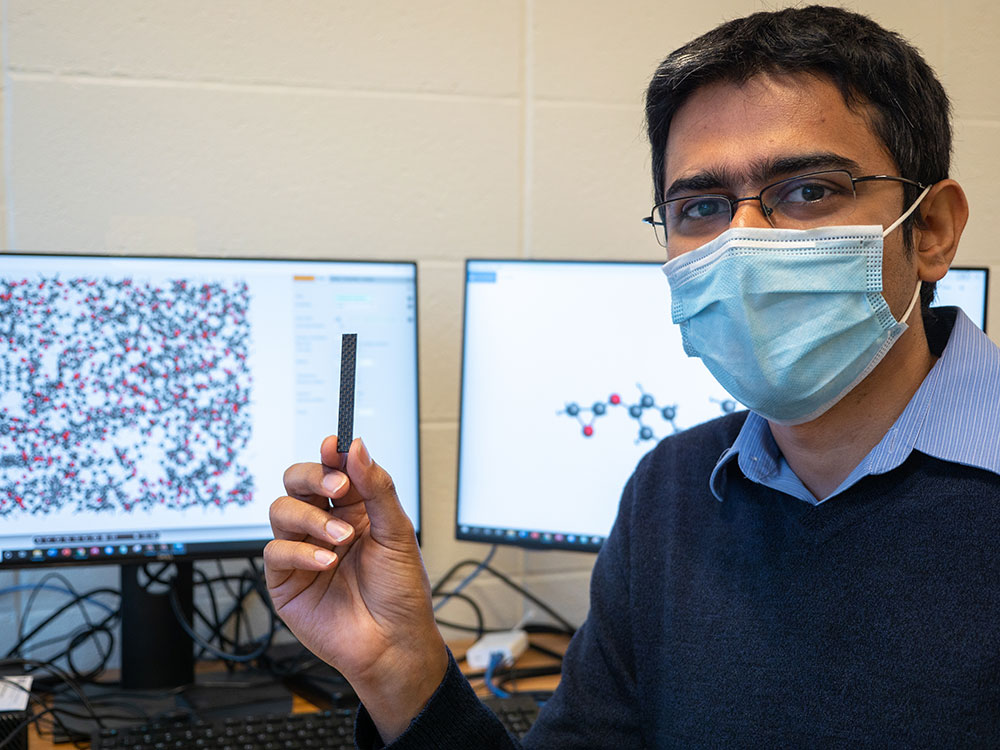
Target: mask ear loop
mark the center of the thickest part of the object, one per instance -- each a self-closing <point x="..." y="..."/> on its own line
<point x="896" y="223"/>
<point x="906" y="214"/>
<point x="913" y="303"/>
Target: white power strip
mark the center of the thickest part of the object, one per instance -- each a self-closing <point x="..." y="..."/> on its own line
<point x="510" y="643"/>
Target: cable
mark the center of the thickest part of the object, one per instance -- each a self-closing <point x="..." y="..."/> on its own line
<point x="31" y="601"/>
<point x="479" y="628"/>
<point x="262" y="644"/>
<point x="65" y="679"/>
<point x="483" y="565"/>
<point x="92" y="632"/>
<point x="216" y="624"/>
<point x="58" y="590"/>
<point x="157" y="576"/>
<point x="495" y="659"/>
<point x="82" y="637"/>
<point x="224" y="576"/>
<point x="237" y="610"/>
<point x="467" y="580"/>
<point x="546" y="651"/>
<point x="40" y="626"/>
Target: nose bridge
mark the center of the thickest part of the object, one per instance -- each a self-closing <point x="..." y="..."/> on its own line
<point x="747" y="213"/>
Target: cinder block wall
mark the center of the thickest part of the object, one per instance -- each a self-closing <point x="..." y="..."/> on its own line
<point x="432" y="131"/>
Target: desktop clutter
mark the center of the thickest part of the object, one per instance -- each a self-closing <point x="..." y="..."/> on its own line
<point x="245" y="692"/>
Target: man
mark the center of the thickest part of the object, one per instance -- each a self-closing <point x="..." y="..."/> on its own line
<point x="832" y="578"/>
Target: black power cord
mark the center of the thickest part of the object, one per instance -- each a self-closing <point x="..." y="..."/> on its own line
<point x="249" y="582"/>
<point x="436" y="590"/>
<point x="99" y="633"/>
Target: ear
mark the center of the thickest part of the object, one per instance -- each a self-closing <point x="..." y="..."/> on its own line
<point x="944" y="211"/>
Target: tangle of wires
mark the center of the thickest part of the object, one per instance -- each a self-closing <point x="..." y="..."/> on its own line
<point x="230" y="635"/>
<point x="38" y="707"/>
<point x="498" y="676"/>
<point x="97" y="632"/>
<point x="221" y="629"/>
<point x="438" y="590"/>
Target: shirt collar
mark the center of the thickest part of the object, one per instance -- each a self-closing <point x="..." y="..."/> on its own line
<point x="957" y="404"/>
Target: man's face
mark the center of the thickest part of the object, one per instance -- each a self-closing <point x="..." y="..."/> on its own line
<point x="735" y="139"/>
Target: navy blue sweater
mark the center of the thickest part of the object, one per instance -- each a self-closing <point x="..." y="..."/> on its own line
<point x="870" y="620"/>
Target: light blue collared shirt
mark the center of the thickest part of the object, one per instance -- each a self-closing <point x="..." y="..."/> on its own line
<point x="953" y="416"/>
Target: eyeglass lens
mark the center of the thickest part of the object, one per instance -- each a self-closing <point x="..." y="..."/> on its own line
<point x="798" y="202"/>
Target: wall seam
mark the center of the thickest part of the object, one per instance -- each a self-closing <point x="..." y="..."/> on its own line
<point x="528" y="130"/>
<point x="248" y="87"/>
<point x="7" y="120"/>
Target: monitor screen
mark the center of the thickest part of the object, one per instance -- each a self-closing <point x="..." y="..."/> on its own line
<point x="150" y="405"/>
<point x="965" y="287"/>
<point x="571" y="371"/>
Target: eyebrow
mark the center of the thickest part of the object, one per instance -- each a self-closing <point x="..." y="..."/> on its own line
<point x="718" y="179"/>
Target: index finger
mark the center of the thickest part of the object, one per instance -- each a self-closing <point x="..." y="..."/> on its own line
<point x="314" y="483"/>
<point x="329" y="454"/>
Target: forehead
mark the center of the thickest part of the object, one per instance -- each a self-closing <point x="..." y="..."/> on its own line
<point x="728" y="127"/>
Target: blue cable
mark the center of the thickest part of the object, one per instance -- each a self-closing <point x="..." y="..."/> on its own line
<point x="495" y="658"/>
<point x="58" y="589"/>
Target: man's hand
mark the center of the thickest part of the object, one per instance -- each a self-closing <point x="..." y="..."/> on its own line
<point x="350" y="584"/>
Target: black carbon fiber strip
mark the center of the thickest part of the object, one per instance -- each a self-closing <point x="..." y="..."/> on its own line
<point x="348" y="361"/>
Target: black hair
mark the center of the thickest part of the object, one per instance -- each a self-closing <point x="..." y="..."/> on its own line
<point x="878" y="73"/>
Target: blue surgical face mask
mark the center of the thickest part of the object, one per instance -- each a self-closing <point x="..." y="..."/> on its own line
<point x="787" y="320"/>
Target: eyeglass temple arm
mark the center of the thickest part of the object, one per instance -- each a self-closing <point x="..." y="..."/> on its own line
<point x="872" y="177"/>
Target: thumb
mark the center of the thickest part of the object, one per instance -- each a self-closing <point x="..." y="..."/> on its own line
<point x="389" y="523"/>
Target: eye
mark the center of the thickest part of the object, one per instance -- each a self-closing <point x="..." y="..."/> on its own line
<point x="812" y="197"/>
<point x="809" y="193"/>
<point x="810" y="190"/>
<point x="700" y="208"/>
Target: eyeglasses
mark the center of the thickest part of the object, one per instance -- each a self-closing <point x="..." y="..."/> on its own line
<point x="800" y="202"/>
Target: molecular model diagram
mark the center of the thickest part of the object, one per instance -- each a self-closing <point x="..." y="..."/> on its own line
<point x="586" y="416"/>
<point x="118" y="396"/>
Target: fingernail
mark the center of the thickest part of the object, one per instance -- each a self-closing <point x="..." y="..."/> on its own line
<point x="338" y="532"/>
<point x="366" y="460"/>
<point x="324" y="556"/>
<point x="333" y="482"/>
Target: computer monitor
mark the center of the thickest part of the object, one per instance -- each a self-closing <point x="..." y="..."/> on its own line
<point x="965" y="287"/>
<point x="150" y="405"/>
<point x="571" y="371"/>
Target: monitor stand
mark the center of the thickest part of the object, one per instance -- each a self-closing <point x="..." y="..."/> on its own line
<point x="156" y="652"/>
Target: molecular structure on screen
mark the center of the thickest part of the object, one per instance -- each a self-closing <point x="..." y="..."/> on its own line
<point x="586" y="416"/>
<point x="119" y="396"/>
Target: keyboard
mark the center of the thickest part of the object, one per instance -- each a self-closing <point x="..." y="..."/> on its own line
<point x="517" y="713"/>
<point x="331" y="730"/>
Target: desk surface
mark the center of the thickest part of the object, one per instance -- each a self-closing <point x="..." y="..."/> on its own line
<point x="300" y="705"/>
